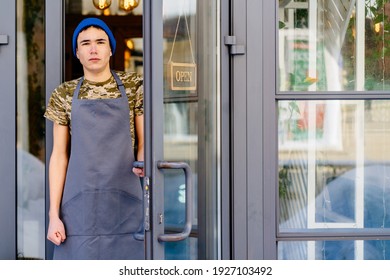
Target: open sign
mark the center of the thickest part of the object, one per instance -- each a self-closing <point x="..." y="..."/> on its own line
<point x="182" y="76"/>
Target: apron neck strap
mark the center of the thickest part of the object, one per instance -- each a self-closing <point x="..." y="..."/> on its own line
<point x="121" y="87"/>
<point x="118" y="81"/>
<point x="77" y="90"/>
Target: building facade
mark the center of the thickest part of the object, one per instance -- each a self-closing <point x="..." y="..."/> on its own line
<point x="266" y="123"/>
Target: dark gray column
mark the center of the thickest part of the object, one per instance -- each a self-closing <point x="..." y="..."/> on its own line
<point x="8" y="130"/>
<point x="253" y="125"/>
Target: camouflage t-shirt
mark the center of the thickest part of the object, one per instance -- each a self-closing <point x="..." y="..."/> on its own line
<point x="59" y="107"/>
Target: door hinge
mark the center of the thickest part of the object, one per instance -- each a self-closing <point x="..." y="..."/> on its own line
<point x="234" y="48"/>
<point x="3" y="39"/>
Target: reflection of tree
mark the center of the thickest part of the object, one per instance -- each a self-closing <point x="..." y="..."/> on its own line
<point x="377" y="50"/>
<point x="284" y="180"/>
<point x="34" y="32"/>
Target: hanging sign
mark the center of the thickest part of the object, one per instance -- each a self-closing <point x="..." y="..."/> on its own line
<point x="182" y="75"/>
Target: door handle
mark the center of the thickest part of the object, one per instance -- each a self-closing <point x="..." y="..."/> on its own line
<point x="173" y="237"/>
<point x="3" y="39"/>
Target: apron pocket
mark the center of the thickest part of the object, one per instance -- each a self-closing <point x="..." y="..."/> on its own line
<point x="102" y="212"/>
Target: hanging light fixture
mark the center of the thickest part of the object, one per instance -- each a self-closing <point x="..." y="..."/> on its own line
<point x="101" y="4"/>
<point x="130" y="44"/>
<point x="128" y="5"/>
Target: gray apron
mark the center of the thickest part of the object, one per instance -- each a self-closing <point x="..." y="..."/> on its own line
<point x="101" y="206"/>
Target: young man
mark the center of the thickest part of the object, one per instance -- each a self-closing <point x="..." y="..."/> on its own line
<point x="95" y="193"/>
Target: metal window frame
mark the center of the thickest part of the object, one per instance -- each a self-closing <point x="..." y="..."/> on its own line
<point x="8" y="205"/>
<point x="322" y="234"/>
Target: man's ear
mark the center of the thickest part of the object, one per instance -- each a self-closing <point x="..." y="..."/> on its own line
<point x="77" y="53"/>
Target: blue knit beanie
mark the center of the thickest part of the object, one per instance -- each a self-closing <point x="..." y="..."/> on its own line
<point x="87" y="22"/>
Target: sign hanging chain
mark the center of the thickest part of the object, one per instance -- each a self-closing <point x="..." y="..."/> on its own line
<point x="189" y="38"/>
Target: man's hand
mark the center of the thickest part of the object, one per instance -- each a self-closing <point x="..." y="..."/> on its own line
<point x="138" y="171"/>
<point x="56" y="231"/>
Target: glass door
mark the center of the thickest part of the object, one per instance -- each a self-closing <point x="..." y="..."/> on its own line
<point x="181" y="74"/>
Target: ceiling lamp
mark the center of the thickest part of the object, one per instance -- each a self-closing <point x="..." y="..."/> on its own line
<point x="102" y="4"/>
<point x="128" y="5"/>
<point x="130" y="44"/>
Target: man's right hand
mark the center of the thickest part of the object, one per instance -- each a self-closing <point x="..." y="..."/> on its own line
<point x="56" y="231"/>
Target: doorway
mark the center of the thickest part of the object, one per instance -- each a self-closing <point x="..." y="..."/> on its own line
<point x="189" y="100"/>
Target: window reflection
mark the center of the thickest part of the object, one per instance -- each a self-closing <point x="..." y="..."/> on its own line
<point x="334" y="250"/>
<point x="180" y="119"/>
<point x="334" y="45"/>
<point x="334" y="164"/>
<point x="30" y="130"/>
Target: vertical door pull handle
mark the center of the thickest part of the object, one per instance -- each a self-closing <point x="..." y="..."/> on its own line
<point x="173" y="237"/>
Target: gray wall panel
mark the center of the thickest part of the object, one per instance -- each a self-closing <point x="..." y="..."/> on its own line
<point x="239" y="134"/>
<point x="255" y="128"/>
<point x="8" y="131"/>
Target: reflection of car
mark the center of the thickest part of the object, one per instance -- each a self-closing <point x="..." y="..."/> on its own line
<point x="339" y="203"/>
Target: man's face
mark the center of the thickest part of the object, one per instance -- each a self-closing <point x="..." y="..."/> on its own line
<point x="93" y="50"/>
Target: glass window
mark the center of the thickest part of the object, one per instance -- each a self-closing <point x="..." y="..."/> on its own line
<point x="30" y="130"/>
<point x="338" y="45"/>
<point x="334" y="164"/>
<point x="332" y="154"/>
<point x="334" y="250"/>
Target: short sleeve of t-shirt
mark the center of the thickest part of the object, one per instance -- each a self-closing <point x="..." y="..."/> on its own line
<point x="56" y="109"/>
<point x="139" y="101"/>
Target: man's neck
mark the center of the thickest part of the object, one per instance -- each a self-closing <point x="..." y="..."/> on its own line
<point x="97" y="76"/>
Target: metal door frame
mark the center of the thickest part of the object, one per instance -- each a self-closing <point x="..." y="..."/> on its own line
<point x="270" y="139"/>
<point x="226" y="134"/>
<point x="253" y="134"/>
<point x="8" y="206"/>
<point x="54" y="42"/>
<point x="153" y="132"/>
<point x="153" y="99"/>
<point x="153" y="85"/>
